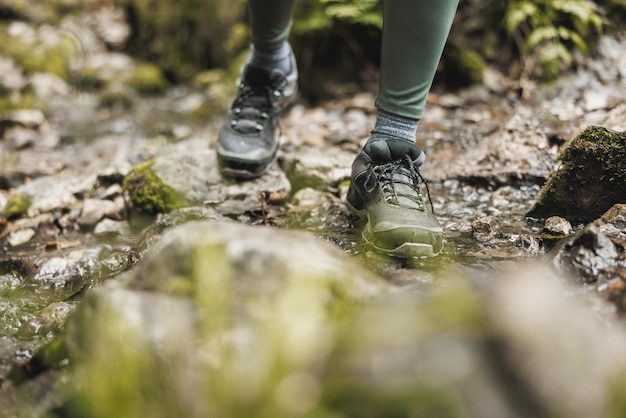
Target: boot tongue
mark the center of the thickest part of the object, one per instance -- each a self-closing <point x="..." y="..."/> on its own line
<point x="382" y="151"/>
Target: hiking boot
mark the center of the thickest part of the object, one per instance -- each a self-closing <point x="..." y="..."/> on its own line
<point x="386" y="189"/>
<point x="248" y="141"/>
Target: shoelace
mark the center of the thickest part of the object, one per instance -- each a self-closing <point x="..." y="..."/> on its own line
<point x="390" y="174"/>
<point x="252" y="107"/>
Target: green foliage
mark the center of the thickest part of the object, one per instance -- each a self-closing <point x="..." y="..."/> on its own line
<point x="321" y="14"/>
<point x="16" y="206"/>
<point x="546" y="31"/>
<point x="40" y="53"/>
<point x="148" y="78"/>
<point x="182" y="36"/>
<point x="148" y="192"/>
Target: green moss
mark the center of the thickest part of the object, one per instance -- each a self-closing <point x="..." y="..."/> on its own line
<point x="148" y="192"/>
<point x="616" y="400"/>
<point x="88" y="77"/>
<point x="148" y="78"/>
<point x="116" y="99"/>
<point x="16" y="206"/>
<point x="39" y="56"/>
<point x="24" y="101"/>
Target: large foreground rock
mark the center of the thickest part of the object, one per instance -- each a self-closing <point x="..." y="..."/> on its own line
<point x="591" y="179"/>
<point x="230" y="320"/>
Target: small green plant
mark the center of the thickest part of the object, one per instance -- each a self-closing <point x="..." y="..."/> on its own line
<point x="546" y="31"/>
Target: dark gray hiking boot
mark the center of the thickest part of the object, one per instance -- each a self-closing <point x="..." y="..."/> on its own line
<point x="248" y="141"/>
<point x="386" y="189"/>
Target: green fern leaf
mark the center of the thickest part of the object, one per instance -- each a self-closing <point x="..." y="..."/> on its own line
<point x="541" y="35"/>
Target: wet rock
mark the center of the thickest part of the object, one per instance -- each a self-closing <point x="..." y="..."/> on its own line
<point x="25" y="128"/>
<point x="57" y="192"/>
<point x="94" y="210"/>
<point x="33" y="222"/>
<point x="591" y="179"/>
<point x="223" y="287"/>
<point x="16" y="166"/>
<point x="191" y="169"/>
<point x="586" y="257"/>
<point x="56" y="314"/>
<point x="109" y="226"/>
<point x="318" y="168"/>
<point x="159" y="330"/>
<point x="8" y="347"/>
<point x="20" y="237"/>
<point x="485" y="227"/>
<point x="557" y="226"/>
<point x="307" y="199"/>
<point x="34" y="397"/>
<point x="112" y="192"/>
<point x="65" y="275"/>
<point x="251" y="260"/>
<point x="48" y="86"/>
<point x="513" y="152"/>
<point x="558" y="336"/>
<point x="91" y="212"/>
<point x="29" y="118"/>
<point x="614" y="220"/>
<point x="11" y="76"/>
<point x="110" y="24"/>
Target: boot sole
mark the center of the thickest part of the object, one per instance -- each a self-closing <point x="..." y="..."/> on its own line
<point x="406" y="250"/>
<point x="241" y="169"/>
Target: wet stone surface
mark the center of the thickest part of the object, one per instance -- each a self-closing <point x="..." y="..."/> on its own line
<point x="487" y="157"/>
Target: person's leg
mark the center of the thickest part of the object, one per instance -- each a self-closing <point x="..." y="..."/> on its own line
<point x="414" y="34"/>
<point x="386" y="185"/>
<point x="270" y="23"/>
<point x="247" y="144"/>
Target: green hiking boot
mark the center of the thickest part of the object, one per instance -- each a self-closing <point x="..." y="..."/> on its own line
<point x="386" y="189"/>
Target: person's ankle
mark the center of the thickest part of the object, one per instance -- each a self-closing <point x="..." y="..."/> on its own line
<point x="389" y="125"/>
<point x="279" y="59"/>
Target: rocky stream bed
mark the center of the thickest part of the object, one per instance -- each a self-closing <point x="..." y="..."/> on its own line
<point x="136" y="281"/>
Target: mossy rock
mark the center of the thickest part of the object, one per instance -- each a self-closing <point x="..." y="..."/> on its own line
<point x="16" y="206"/>
<point x="591" y="179"/>
<point x="148" y="79"/>
<point x="116" y="99"/>
<point x="148" y="192"/>
<point x="38" y="56"/>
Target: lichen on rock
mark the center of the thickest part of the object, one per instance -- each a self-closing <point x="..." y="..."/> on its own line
<point x="148" y="192"/>
<point x="590" y="180"/>
<point x="16" y="206"/>
<point x="148" y="78"/>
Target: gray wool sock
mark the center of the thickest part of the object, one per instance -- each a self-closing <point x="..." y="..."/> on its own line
<point x="271" y="60"/>
<point x="389" y="125"/>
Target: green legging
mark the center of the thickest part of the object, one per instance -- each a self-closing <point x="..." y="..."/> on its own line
<point x="414" y="34"/>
